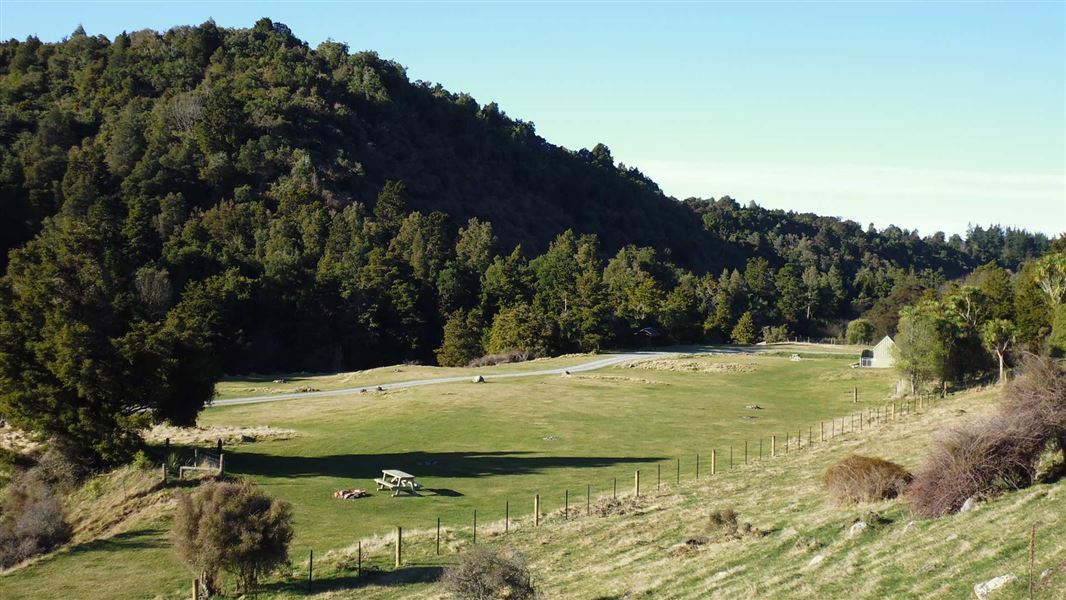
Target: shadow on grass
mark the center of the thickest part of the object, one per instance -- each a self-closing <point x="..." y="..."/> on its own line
<point x="348" y="581"/>
<point x="423" y="464"/>
<point x="137" y="539"/>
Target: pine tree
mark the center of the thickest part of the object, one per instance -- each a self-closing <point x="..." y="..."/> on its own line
<point x="744" y="332"/>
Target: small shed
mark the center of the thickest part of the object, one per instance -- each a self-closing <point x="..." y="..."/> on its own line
<point x="880" y="357"/>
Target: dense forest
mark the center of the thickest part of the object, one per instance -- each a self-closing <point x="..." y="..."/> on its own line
<point x="205" y="200"/>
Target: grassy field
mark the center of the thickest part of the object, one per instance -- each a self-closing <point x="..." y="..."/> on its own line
<point x="477" y="446"/>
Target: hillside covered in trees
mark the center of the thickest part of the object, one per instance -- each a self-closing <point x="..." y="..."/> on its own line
<point x="206" y="200"/>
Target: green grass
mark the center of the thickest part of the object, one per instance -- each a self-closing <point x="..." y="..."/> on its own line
<point x="477" y="446"/>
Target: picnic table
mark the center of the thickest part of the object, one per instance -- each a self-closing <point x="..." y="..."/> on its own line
<point x="398" y="481"/>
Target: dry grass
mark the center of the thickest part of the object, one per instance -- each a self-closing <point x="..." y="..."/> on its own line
<point x="865" y="479"/>
<point x="693" y="364"/>
<point x="192" y="436"/>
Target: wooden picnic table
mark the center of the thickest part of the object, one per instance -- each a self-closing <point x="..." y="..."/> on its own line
<point x="398" y="481"/>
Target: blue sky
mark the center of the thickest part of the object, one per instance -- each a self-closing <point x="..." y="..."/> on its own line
<point x="924" y="115"/>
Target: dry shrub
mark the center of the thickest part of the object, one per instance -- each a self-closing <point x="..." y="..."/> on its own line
<point x="234" y="527"/>
<point x="725" y="525"/>
<point x="32" y="520"/>
<point x="607" y="507"/>
<point x="1001" y="452"/>
<point x="982" y="459"/>
<point x="511" y="356"/>
<point x="865" y="479"/>
<point x="485" y="573"/>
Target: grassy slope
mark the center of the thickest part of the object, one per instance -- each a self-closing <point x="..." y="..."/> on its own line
<point x="636" y="556"/>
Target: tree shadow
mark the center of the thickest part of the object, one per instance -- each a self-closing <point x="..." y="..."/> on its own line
<point x="136" y="539"/>
<point x="421" y="464"/>
<point x="347" y="581"/>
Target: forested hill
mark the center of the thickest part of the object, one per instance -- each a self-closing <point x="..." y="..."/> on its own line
<point x="330" y="197"/>
<point x="256" y="115"/>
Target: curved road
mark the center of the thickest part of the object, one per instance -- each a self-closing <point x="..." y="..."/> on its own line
<point x="606" y="361"/>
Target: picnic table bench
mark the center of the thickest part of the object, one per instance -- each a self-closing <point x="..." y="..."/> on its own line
<point x="398" y="481"/>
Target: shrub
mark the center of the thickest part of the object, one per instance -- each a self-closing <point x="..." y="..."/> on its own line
<point x="232" y="527"/>
<point x="725" y="525"/>
<point x="772" y="335"/>
<point x="860" y="331"/>
<point x="511" y="356"/>
<point x="983" y="458"/>
<point x="488" y="574"/>
<point x="865" y="479"/>
<point x="31" y="518"/>
<point x="1001" y="452"/>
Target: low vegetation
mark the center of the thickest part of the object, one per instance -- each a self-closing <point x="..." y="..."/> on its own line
<point x="999" y="452"/>
<point x="232" y="527"/>
<point x="488" y="573"/>
<point x="865" y="479"/>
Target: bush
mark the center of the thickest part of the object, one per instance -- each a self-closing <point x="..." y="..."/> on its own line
<point x="511" y="356"/>
<point x="982" y="459"/>
<point x="725" y="525"/>
<point x="31" y="518"/>
<point x="232" y="527"/>
<point x="865" y="479"/>
<point x="1001" y="452"/>
<point x="488" y="574"/>
<point x="772" y="335"/>
<point x="860" y="331"/>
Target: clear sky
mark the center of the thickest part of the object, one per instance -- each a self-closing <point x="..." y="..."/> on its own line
<point x="924" y="115"/>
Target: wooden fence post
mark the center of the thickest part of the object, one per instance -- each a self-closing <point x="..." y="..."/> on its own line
<point x="697" y="466"/>
<point x="536" y="510"/>
<point x="773" y="446"/>
<point x="566" y="505"/>
<point x="506" y="517"/>
<point x="678" y="471"/>
<point x="658" y="475"/>
<point x="359" y="558"/>
<point x="195" y="589"/>
<point x="786" y="442"/>
<point x="714" y="462"/>
<point x="438" y="533"/>
<point x="821" y="436"/>
<point x="730" y="458"/>
<point x="745" y="451"/>
<point x="854" y="394"/>
<point x="636" y="483"/>
<point x="399" y="546"/>
<point x="588" y="499"/>
<point x="614" y="493"/>
<point x="310" y="560"/>
<point x="475" y="526"/>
